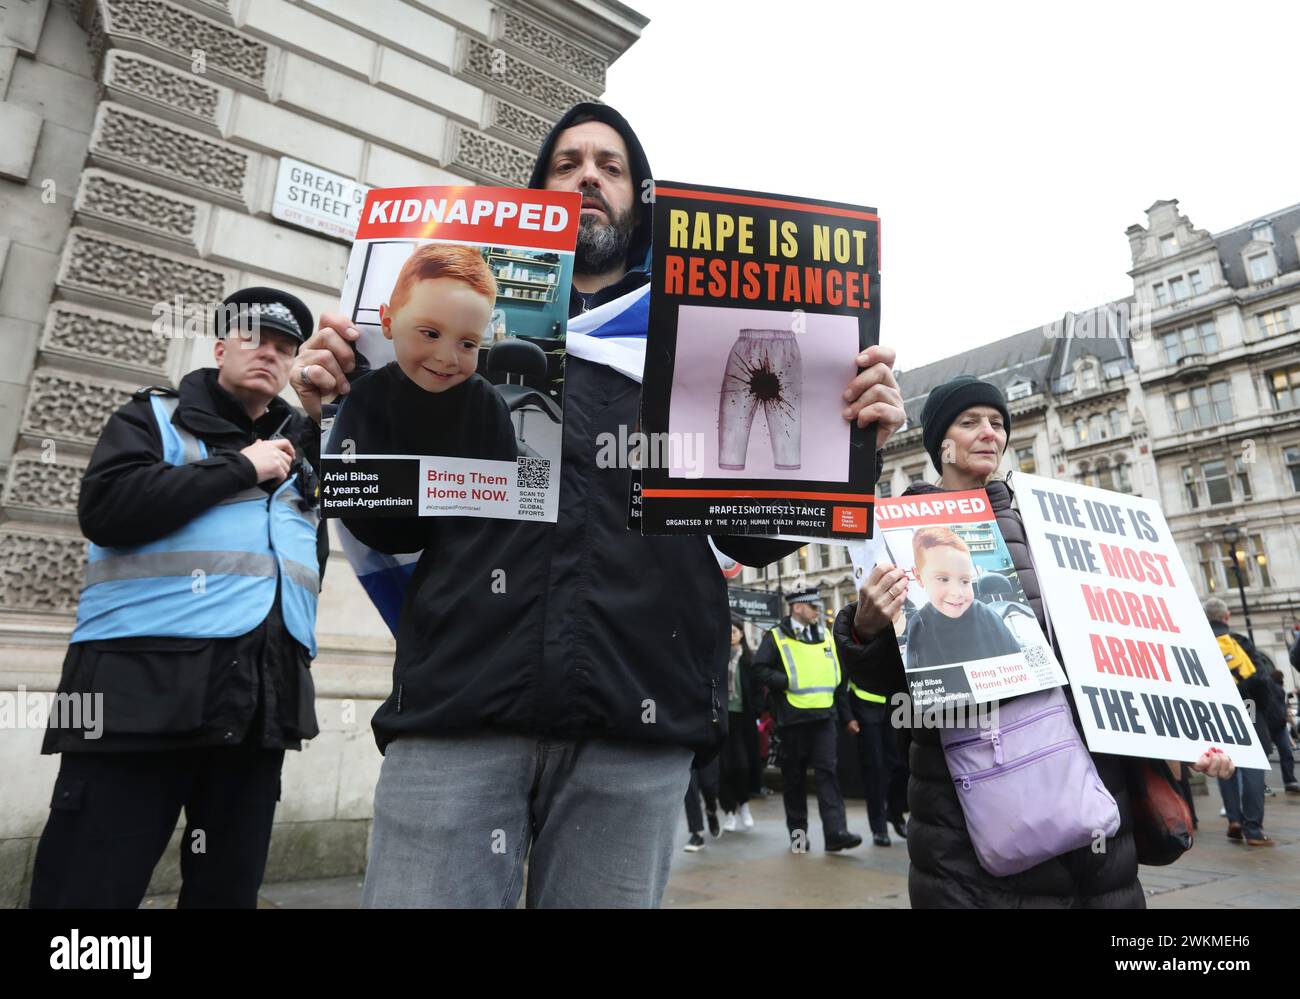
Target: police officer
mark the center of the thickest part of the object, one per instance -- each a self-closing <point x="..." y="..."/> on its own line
<point x="195" y="627"/>
<point x="798" y="663"/>
<point x="866" y="715"/>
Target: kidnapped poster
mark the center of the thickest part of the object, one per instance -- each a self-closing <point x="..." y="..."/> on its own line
<point x="759" y="305"/>
<point x="461" y="297"/>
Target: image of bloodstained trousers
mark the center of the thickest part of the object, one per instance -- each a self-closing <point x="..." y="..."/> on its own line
<point x="763" y="371"/>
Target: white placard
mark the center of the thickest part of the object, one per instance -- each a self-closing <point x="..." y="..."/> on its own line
<point x="1148" y="677"/>
<point x="316" y="199"/>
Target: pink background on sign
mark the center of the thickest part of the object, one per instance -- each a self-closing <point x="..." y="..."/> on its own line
<point x="827" y="348"/>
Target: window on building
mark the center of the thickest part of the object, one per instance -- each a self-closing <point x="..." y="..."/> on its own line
<point x="1168" y="246"/>
<point x="1216" y="567"/>
<point x="1249" y="556"/>
<point x="1207" y="334"/>
<point x="1089" y="376"/>
<point x="1203" y="338"/>
<point x="1274" y="322"/>
<point x="1203" y="406"/>
<point x="1162" y="296"/>
<point x="916" y="474"/>
<point x="1221" y="401"/>
<point x="1197" y="283"/>
<point x="1097" y="430"/>
<point x="1262" y="231"/>
<point x="1243" y="477"/>
<point x="1019" y="390"/>
<point x="884" y="488"/>
<point x="1260" y="267"/>
<point x="1191" y="487"/>
<point x="1284" y="385"/>
<point x="1217" y="485"/>
<point x="1259" y="560"/>
<point x="1291" y="456"/>
<point x="1084" y="472"/>
<point x="1113" y="370"/>
<point x="1172" y="343"/>
<point x="1177" y="289"/>
<point x="1122" y="481"/>
<point x="815" y="560"/>
<point x="1080" y="431"/>
<point x="1025" y="459"/>
<point x="1105" y="475"/>
<point x="1116" y="423"/>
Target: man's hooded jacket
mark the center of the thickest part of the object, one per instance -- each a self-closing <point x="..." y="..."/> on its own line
<point x="578" y="628"/>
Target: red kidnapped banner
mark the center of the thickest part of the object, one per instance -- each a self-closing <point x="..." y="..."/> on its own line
<point x="496" y="216"/>
<point x="934" y="509"/>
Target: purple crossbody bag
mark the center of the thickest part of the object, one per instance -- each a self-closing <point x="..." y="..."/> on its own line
<point x="1027" y="786"/>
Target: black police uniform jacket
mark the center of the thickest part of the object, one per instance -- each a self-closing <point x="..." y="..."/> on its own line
<point x="945" y="872"/>
<point x="162" y="694"/>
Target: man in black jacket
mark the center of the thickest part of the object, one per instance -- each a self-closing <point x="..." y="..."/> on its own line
<point x="1243" y="793"/>
<point x="194" y="630"/>
<point x="555" y="720"/>
<point x="798" y="664"/>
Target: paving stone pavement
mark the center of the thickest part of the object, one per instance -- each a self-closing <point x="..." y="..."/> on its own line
<point x="755" y="868"/>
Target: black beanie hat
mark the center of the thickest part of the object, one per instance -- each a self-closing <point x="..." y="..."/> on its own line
<point x="948" y="401"/>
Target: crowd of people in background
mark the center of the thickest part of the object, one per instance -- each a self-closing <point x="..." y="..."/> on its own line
<point x="794" y="714"/>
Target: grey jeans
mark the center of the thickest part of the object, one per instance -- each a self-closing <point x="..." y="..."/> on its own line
<point x="456" y="817"/>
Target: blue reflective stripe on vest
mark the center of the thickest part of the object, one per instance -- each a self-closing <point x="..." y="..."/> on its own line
<point x="214" y="577"/>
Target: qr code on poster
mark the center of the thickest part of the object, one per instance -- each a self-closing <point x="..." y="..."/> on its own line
<point x="1036" y="655"/>
<point x="534" y="473"/>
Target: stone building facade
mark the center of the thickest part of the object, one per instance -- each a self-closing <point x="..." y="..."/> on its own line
<point x="1221" y="373"/>
<point x="141" y="147"/>
<point x="1187" y="392"/>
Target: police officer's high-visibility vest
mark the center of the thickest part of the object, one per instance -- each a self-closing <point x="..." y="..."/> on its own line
<point x="813" y="670"/>
<point x="214" y="577"/>
<point x="865" y="694"/>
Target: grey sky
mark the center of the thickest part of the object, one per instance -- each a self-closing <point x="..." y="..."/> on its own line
<point x="1006" y="145"/>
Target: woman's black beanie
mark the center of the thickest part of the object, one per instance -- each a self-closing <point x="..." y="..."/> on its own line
<point x="948" y="401"/>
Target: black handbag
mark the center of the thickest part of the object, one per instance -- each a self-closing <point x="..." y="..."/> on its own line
<point x="1162" y="820"/>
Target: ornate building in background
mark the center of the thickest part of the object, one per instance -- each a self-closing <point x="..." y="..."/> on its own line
<point x="142" y="142"/>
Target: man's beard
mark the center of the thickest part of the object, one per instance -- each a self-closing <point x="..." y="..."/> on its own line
<point x="602" y="246"/>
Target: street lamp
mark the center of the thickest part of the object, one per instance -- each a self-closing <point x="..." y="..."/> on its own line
<point x="1231" y="536"/>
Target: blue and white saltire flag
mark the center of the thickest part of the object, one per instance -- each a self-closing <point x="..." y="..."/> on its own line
<point x="612" y="334"/>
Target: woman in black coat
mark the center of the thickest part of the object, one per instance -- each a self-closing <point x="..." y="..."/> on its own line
<point x="966" y="424"/>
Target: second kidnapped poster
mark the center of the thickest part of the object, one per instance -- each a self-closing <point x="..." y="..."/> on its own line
<point x="759" y="306"/>
<point x="966" y="632"/>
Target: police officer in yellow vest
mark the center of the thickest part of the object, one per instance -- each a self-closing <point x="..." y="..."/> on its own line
<point x="798" y="663"/>
<point x="866" y="715"/>
<point x="195" y="627"/>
